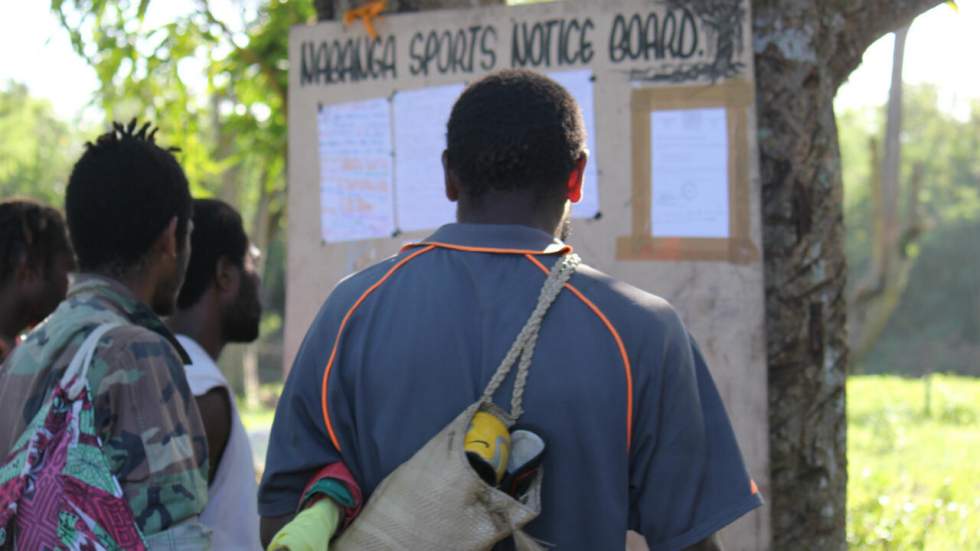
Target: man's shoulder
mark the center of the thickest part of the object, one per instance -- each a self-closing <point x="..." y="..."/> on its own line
<point x="620" y="295"/>
<point x="130" y="354"/>
<point x="140" y="343"/>
<point x="635" y="313"/>
<point x="55" y="340"/>
<point x="352" y="287"/>
<point x="141" y="365"/>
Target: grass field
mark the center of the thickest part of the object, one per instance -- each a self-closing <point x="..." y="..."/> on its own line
<point x="914" y="463"/>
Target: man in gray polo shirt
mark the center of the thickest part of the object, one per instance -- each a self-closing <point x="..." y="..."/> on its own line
<point x="637" y="436"/>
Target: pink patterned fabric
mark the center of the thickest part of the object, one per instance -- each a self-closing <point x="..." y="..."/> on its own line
<point x="56" y="490"/>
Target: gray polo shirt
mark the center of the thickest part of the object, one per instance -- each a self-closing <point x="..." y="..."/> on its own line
<point x="636" y="432"/>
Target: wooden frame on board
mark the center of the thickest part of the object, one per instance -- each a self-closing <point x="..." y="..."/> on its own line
<point x="736" y="97"/>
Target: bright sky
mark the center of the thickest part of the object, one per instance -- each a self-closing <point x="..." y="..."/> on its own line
<point x="37" y="51"/>
<point x="941" y="49"/>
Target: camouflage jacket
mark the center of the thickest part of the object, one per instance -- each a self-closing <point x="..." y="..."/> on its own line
<point x="148" y="422"/>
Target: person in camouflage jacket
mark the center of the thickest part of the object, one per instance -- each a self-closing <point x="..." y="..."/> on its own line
<point x="128" y="208"/>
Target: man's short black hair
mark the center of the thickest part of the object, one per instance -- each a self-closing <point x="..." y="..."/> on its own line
<point x="514" y="129"/>
<point x="218" y="232"/>
<point x="121" y="195"/>
<point x="32" y="232"/>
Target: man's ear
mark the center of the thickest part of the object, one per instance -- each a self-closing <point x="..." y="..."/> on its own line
<point x="226" y="275"/>
<point x="452" y="184"/>
<point x="167" y="244"/>
<point x="576" y="179"/>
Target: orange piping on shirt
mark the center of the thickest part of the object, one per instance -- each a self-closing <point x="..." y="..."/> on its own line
<point x="619" y="343"/>
<point x="340" y="332"/>
<point x="565" y="249"/>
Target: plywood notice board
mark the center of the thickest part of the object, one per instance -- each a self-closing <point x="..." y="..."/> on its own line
<point x="672" y="202"/>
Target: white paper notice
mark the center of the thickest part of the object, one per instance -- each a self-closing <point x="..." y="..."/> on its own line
<point x="689" y="173"/>
<point x="580" y="85"/>
<point x="355" y="171"/>
<point x="420" y="138"/>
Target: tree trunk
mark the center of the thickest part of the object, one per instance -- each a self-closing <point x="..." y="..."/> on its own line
<point x="261" y="234"/>
<point x="891" y="171"/>
<point x="878" y="295"/>
<point x="803" y="51"/>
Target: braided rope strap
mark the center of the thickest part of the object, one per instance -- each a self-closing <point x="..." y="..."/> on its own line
<point x="75" y="377"/>
<point x="527" y="339"/>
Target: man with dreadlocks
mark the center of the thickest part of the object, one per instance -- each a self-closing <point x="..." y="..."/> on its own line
<point x="128" y="209"/>
<point x="35" y="258"/>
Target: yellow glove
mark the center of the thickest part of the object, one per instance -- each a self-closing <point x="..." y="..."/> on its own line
<point x="311" y="530"/>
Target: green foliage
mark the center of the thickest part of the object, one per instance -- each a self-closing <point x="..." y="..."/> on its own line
<point x="216" y="85"/>
<point x="936" y="327"/>
<point x="944" y="146"/>
<point x="216" y="88"/>
<point x="36" y="148"/>
<point x="855" y="129"/>
<point x="947" y="148"/>
<point x="914" y="481"/>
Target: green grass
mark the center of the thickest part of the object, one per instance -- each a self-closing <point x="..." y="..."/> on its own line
<point x="256" y="418"/>
<point x="260" y="416"/>
<point x="914" y="463"/>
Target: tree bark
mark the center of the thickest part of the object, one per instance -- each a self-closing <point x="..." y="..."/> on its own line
<point x="891" y="172"/>
<point x="803" y="52"/>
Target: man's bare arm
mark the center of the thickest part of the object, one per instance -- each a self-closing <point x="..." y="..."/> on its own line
<point x="215" y="409"/>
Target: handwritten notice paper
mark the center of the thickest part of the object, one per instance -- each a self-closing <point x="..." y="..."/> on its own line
<point x="355" y="171"/>
<point x="420" y="138"/>
<point x="580" y="85"/>
<point x="690" y="173"/>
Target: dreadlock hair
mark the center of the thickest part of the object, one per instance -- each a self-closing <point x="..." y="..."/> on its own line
<point x="218" y="233"/>
<point x="121" y="195"/>
<point x="514" y="130"/>
<point x="31" y="232"/>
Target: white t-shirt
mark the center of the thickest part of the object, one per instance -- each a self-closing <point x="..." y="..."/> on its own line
<point x="232" y="510"/>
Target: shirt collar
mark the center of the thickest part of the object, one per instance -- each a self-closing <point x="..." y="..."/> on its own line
<point x="196" y="352"/>
<point x="119" y="298"/>
<point x="495" y="238"/>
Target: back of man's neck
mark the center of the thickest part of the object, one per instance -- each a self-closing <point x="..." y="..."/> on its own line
<point x="511" y="218"/>
<point x="519" y="208"/>
<point x="137" y="283"/>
